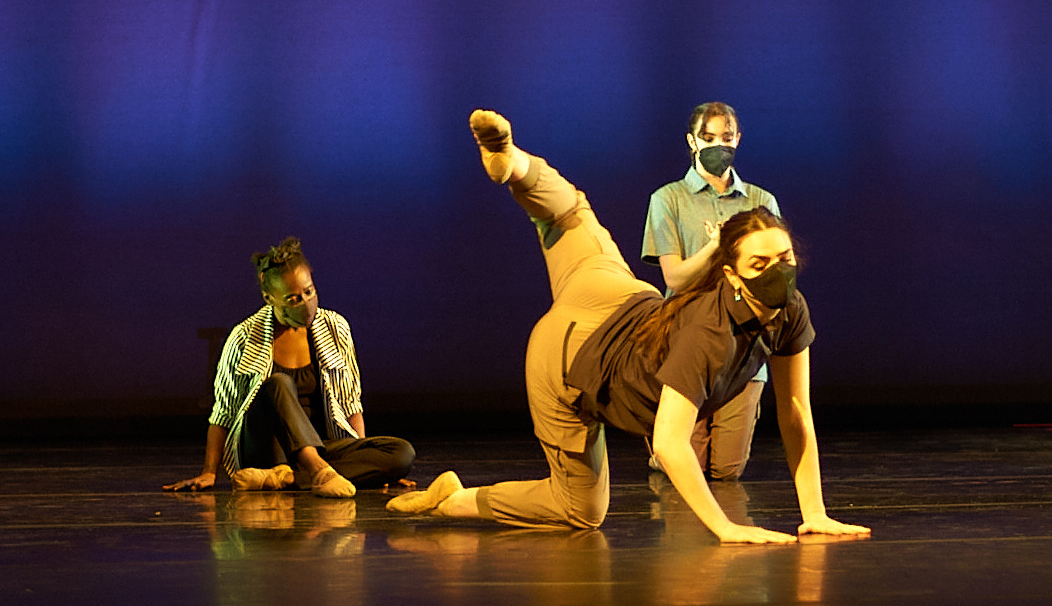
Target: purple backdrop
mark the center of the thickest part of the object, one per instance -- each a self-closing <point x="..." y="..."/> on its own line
<point x="148" y="148"/>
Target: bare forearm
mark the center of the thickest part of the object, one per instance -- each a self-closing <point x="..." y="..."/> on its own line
<point x="214" y="448"/>
<point x="672" y="428"/>
<point x="679" y="272"/>
<point x="357" y="422"/>
<point x="801" y="451"/>
<point x="681" y="464"/>
<point x="791" y="380"/>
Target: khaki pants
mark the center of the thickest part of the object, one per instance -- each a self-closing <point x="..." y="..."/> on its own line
<point x="589" y="281"/>
<point x="723" y="440"/>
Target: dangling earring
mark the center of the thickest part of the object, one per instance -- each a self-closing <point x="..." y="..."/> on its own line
<point x="737" y="294"/>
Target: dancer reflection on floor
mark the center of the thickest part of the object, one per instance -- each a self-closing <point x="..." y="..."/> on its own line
<point x="612" y="351"/>
<point x="288" y="396"/>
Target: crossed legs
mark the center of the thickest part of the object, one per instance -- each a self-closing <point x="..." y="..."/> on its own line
<point x="276" y="427"/>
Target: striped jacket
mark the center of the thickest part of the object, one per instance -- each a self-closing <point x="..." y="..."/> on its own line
<point x="247" y="361"/>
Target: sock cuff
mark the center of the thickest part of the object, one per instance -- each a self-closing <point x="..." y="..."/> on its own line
<point x="533" y="174"/>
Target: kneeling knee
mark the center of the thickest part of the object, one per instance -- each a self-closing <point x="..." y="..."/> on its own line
<point x="726" y="473"/>
<point x="589" y="518"/>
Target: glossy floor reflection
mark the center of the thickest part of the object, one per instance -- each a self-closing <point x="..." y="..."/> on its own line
<point x="958" y="516"/>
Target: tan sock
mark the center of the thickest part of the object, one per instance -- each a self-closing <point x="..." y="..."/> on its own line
<point x="493" y="134"/>
<point x="251" y="478"/>
<point x="328" y="483"/>
<point x="421" y="501"/>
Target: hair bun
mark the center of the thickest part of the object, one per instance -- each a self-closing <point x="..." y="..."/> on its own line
<point x="290" y="249"/>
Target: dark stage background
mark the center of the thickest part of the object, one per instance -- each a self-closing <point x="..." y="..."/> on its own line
<point x="148" y="148"/>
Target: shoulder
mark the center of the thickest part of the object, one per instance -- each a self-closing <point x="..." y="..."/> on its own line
<point x="797" y="332"/>
<point x="700" y="338"/>
<point x="670" y="192"/>
<point x="798" y="307"/>
<point x="798" y="317"/>
<point x="669" y="188"/>
<point x="336" y="322"/>
<point x="247" y="334"/>
<point x="756" y="192"/>
<point x="702" y="320"/>
<point x="252" y="323"/>
<point x="331" y="316"/>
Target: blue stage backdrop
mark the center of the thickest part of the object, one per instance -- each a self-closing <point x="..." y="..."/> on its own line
<point x="147" y="148"/>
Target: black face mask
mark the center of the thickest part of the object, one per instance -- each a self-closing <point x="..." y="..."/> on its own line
<point x="716" y="159"/>
<point x="775" y="286"/>
<point x="302" y="315"/>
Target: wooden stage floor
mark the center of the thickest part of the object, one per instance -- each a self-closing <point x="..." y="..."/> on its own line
<point x="959" y="516"/>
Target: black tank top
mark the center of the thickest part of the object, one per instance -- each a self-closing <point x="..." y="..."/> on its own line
<point x="306" y="380"/>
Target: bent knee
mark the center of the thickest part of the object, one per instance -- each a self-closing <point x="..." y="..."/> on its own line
<point x="588" y="518"/>
<point x="404" y="457"/>
<point x="279" y="381"/>
<point x="726" y="472"/>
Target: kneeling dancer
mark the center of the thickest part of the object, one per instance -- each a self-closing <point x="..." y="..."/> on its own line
<point x="612" y="350"/>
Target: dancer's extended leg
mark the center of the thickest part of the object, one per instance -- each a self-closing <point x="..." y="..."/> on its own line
<point x="502" y="160"/>
<point x="589" y="276"/>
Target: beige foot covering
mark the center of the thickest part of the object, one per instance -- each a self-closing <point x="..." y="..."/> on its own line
<point x="493" y="134"/>
<point x="420" y="501"/>
<point x="328" y="483"/>
<point x="252" y="478"/>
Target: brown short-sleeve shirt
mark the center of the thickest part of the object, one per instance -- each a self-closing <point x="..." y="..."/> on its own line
<point x="716" y="345"/>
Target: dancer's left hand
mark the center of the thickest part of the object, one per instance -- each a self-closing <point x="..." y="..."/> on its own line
<point x="402" y="483"/>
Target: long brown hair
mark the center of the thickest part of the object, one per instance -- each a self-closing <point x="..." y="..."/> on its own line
<point x="654" y="332"/>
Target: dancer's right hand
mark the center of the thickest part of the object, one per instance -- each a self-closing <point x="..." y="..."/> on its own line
<point x="201" y="482"/>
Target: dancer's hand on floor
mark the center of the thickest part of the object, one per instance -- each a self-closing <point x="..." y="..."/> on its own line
<point x="201" y="482"/>
<point x="736" y="533"/>
<point x="827" y="525"/>
<point x="405" y="483"/>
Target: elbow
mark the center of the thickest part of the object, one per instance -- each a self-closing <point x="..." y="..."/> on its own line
<point x="673" y="280"/>
<point x="663" y="449"/>
<point x="796" y="426"/>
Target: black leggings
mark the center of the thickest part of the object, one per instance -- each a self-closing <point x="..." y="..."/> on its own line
<point x="276" y="428"/>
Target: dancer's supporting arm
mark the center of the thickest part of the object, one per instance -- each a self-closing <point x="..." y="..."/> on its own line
<point x="674" y="423"/>
<point x="791" y="378"/>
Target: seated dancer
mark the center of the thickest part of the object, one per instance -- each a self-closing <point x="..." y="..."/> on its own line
<point x="287" y="396"/>
<point x="612" y="350"/>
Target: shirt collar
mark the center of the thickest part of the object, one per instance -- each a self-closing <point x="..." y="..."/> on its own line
<point x="257" y="356"/>
<point x="696" y="183"/>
